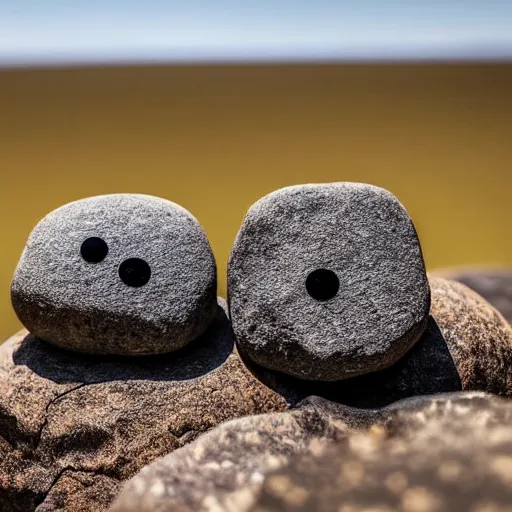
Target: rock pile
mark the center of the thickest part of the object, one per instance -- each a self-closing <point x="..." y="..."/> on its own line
<point x="342" y="378"/>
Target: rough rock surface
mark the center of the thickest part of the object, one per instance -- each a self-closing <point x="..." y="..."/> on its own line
<point x="493" y="284"/>
<point x="477" y="336"/>
<point x="445" y="455"/>
<point x="73" y="426"/>
<point x="93" y="270"/>
<point x="467" y="346"/>
<point x="232" y="456"/>
<point x="327" y="281"/>
<point x="428" y="454"/>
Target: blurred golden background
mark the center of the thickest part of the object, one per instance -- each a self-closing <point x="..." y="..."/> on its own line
<point x="216" y="138"/>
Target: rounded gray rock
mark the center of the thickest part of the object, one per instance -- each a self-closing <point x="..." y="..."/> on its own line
<point x="124" y="274"/>
<point x="327" y="281"/>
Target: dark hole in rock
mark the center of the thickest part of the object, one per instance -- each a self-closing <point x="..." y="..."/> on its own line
<point x="322" y="284"/>
<point x="94" y="249"/>
<point x="134" y="272"/>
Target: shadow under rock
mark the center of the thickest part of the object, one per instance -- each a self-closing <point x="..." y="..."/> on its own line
<point x="197" y="359"/>
<point x="426" y="369"/>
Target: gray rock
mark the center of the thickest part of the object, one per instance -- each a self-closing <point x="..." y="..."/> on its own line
<point x="74" y="426"/>
<point x="85" y="299"/>
<point x="427" y="454"/>
<point x="467" y="346"/>
<point x="493" y="284"/>
<point x="293" y="249"/>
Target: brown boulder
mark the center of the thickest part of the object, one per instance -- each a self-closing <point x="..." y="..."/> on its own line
<point x="73" y="426"/>
<point x="430" y="454"/>
<point x="477" y="336"/>
<point x="493" y="284"/>
<point x="233" y="456"/>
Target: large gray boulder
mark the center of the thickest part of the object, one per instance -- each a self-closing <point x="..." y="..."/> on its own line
<point x="327" y="281"/>
<point x="93" y="270"/>
<point x="74" y="426"/>
<point x="426" y="454"/>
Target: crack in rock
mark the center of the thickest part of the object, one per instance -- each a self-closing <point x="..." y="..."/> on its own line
<point x="46" y="411"/>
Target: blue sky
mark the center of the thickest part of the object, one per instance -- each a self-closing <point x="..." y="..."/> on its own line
<point x="47" y="31"/>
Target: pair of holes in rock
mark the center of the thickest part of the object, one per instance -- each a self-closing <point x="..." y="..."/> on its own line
<point x="133" y="272"/>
